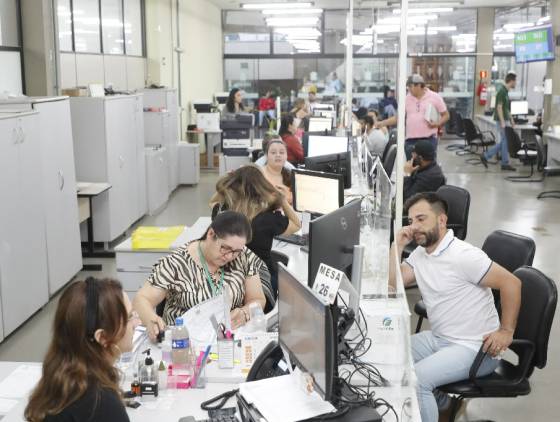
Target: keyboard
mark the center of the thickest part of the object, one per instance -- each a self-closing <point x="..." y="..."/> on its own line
<point x="296" y="239"/>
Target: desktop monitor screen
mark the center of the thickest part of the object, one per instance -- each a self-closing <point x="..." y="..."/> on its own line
<point x="332" y="163"/>
<point x="519" y="108"/>
<point x="319" y="124"/>
<point x="306" y="330"/>
<point x="323" y="145"/>
<point x="332" y="238"/>
<point x="317" y="192"/>
<point x="534" y="44"/>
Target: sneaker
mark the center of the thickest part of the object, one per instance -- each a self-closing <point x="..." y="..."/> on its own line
<point x="507" y="167"/>
<point x="483" y="160"/>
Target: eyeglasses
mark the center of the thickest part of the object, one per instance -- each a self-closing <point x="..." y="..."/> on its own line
<point x="226" y="250"/>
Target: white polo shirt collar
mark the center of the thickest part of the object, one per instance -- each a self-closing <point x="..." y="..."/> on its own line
<point x="443" y="245"/>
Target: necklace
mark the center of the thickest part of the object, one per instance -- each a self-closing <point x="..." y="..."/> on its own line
<point x="215" y="288"/>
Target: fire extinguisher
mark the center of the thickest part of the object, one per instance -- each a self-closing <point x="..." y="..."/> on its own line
<point x="482" y="93"/>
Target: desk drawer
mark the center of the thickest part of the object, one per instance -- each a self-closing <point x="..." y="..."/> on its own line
<point x="138" y="261"/>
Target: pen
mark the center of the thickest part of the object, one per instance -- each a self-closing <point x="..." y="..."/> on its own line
<point x="196" y="371"/>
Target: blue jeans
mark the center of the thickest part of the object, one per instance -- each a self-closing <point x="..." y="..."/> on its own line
<point x="409" y="145"/>
<point x="271" y="114"/>
<point x="439" y="362"/>
<point x="501" y="146"/>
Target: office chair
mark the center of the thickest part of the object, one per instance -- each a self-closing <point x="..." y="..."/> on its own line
<point x="459" y="130"/>
<point x="510" y="250"/>
<point x="530" y="343"/>
<point x="520" y="150"/>
<point x="392" y="141"/>
<point x="275" y="258"/>
<point x="476" y="138"/>
<point x="389" y="161"/>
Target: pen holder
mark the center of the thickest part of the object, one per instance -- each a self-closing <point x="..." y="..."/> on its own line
<point x="225" y="353"/>
<point x="200" y="381"/>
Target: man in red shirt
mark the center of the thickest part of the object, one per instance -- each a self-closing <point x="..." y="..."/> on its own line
<point x="267" y="106"/>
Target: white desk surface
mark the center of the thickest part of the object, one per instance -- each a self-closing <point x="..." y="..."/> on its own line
<point x="552" y="136"/>
<point x="91" y="189"/>
<point x="490" y="120"/>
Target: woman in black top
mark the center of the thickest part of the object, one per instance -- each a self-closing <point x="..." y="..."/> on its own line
<point x="93" y="325"/>
<point x="247" y="191"/>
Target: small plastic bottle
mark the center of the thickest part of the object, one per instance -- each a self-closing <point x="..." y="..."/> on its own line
<point x="258" y="320"/>
<point x="135" y="386"/>
<point x="166" y="347"/>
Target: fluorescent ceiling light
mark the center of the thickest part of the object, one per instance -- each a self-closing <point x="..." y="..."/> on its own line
<point x="293" y="5"/>
<point x="514" y="26"/>
<point x="425" y="10"/>
<point x="504" y="36"/>
<point x="443" y="28"/>
<point x="411" y="19"/>
<point x="380" y="42"/>
<point x="543" y="20"/>
<point x="420" y="31"/>
<point x="358" y="40"/>
<point x="292" y="12"/>
<point x="305" y="21"/>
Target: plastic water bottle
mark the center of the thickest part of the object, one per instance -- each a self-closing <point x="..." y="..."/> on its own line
<point x="180" y="343"/>
<point x="258" y="320"/>
<point x="166" y="347"/>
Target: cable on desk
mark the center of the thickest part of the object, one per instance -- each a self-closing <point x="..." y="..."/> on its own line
<point x="407" y="402"/>
<point x="221" y="399"/>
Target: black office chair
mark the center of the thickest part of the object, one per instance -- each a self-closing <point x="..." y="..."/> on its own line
<point x="475" y="138"/>
<point x="392" y="141"/>
<point x="389" y="161"/>
<point x="525" y="152"/>
<point x="458" y="129"/>
<point x="510" y="250"/>
<point x="530" y="343"/>
<point x="275" y="258"/>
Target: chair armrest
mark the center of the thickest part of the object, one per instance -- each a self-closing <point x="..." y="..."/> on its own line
<point x="490" y="133"/>
<point x="476" y="365"/>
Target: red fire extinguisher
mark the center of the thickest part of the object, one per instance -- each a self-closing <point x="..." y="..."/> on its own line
<point x="482" y="93"/>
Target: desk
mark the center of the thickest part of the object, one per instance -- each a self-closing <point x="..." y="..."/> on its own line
<point x="211" y="139"/>
<point x="553" y="154"/>
<point x="487" y="123"/>
<point x="89" y="191"/>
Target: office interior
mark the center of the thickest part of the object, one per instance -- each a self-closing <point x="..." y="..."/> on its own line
<point x="163" y="57"/>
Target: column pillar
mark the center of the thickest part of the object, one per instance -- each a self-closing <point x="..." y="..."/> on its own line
<point x="552" y="117"/>
<point x="484" y="49"/>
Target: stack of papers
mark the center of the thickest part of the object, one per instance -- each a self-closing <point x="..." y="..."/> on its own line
<point x="282" y="399"/>
<point x="155" y="237"/>
<point x="19" y="383"/>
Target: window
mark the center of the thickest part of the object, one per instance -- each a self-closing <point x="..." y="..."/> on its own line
<point x="64" y="14"/>
<point x="101" y="26"/>
<point x="245" y="33"/>
<point x="133" y="27"/>
<point x="9" y="36"/>
<point x="86" y="26"/>
<point x="112" y="26"/>
<point x="509" y="20"/>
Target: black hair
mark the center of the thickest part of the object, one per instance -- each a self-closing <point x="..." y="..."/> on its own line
<point x="510" y="77"/>
<point x="386" y="90"/>
<point x="230" y="103"/>
<point x="267" y="145"/>
<point x="438" y="204"/>
<point x="230" y="223"/>
<point x="286" y="121"/>
<point x="369" y="120"/>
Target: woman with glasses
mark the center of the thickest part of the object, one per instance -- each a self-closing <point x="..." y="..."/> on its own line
<point x="248" y="191"/>
<point x="201" y="270"/>
<point x="93" y="325"/>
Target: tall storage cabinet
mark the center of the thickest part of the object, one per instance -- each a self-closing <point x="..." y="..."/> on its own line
<point x="64" y="254"/>
<point x="23" y="252"/>
<point x="158" y="131"/>
<point x="109" y="147"/>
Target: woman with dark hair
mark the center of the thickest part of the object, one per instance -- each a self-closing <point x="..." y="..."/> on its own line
<point x="247" y="191"/>
<point x="287" y="133"/>
<point x="275" y="170"/>
<point x="234" y="103"/>
<point x="201" y="270"/>
<point x="93" y="325"/>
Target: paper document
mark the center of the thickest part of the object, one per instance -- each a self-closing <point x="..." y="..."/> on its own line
<point x="198" y="322"/>
<point x="19" y="383"/>
<point x="282" y="399"/>
<point x="431" y="115"/>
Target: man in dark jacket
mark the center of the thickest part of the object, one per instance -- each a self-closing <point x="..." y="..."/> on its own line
<point x="425" y="173"/>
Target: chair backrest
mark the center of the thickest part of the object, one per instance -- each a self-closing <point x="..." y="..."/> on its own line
<point x="459" y="202"/>
<point x="459" y="126"/>
<point x="471" y="133"/>
<point x="541" y="154"/>
<point x="538" y="304"/>
<point x="389" y="161"/>
<point x="392" y="141"/>
<point x="513" y="141"/>
<point x="510" y="250"/>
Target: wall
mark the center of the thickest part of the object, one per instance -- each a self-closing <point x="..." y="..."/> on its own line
<point x="160" y="41"/>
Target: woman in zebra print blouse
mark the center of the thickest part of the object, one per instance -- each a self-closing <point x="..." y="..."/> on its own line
<point x="200" y="270"/>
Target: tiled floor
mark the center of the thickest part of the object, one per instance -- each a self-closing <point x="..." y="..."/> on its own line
<point x="495" y="204"/>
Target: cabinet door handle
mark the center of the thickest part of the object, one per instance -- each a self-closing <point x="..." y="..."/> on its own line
<point x="60" y="180"/>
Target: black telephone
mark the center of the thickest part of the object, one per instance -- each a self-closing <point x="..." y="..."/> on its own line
<point x="267" y="363"/>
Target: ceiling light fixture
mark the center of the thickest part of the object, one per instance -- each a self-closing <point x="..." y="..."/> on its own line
<point x="305" y="21"/>
<point x="513" y="26"/>
<point x="262" y="6"/>
<point x="444" y="28"/>
<point x="425" y="10"/>
<point x="292" y="11"/>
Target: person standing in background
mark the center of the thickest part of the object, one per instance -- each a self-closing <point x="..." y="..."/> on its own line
<point x="503" y="118"/>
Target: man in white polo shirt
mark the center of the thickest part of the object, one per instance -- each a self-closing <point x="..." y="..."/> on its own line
<point x="455" y="280"/>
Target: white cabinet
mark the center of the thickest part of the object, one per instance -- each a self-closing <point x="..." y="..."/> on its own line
<point x="156" y="177"/>
<point x="165" y="98"/>
<point x="158" y="131"/>
<point x="109" y="147"/>
<point x="189" y="163"/>
<point x="59" y="191"/>
<point x="23" y="252"/>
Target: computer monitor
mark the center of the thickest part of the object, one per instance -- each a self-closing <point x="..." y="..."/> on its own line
<point x="332" y="238"/>
<point x="519" y="108"/>
<point x="317" y="192"/>
<point x="323" y="145"/>
<point x="332" y="163"/>
<point x="306" y="331"/>
<point x="319" y="124"/>
<point x="221" y="97"/>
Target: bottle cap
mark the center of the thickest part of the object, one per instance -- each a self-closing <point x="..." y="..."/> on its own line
<point x="178" y="321"/>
